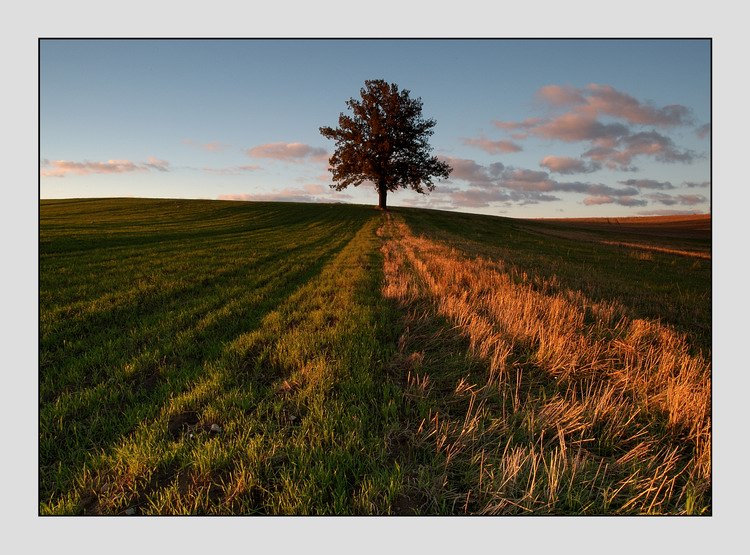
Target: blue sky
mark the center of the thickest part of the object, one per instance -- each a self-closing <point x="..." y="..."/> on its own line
<point x="532" y="128"/>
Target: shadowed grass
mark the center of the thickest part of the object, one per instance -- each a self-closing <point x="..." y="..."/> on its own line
<point x="115" y="351"/>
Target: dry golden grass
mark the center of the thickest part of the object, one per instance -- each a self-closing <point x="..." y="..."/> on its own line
<point x="580" y="409"/>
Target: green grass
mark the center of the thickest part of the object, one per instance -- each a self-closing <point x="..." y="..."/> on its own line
<point x="209" y="357"/>
<point x="152" y="309"/>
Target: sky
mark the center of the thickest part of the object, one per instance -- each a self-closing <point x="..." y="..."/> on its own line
<point x="531" y="128"/>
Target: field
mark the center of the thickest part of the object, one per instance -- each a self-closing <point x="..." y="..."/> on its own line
<point x="209" y="357"/>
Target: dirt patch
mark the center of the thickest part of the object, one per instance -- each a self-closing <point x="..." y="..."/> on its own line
<point x="288" y="387"/>
<point x="89" y="504"/>
<point x="410" y="502"/>
<point x="182" y="423"/>
<point x="146" y="380"/>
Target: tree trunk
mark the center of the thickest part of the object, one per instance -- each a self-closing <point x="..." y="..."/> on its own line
<point x="382" y="193"/>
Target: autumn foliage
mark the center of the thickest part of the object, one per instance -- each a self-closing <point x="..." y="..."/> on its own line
<point x="384" y="141"/>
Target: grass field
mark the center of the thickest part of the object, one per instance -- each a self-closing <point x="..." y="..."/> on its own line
<point x="209" y="357"/>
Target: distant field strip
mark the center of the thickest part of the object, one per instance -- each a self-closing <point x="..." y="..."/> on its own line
<point x="580" y="409"/>
<point x="694" y="254"/>
<point x="588" y="236"/>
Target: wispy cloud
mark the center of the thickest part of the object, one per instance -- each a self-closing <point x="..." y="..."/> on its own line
<point x="667" y="212"/>
<point x="596" y="100"/>
<point x="232" y="170"/>
<point x="671" y="200"/>
<point x="214" y="146"/>
<point x="647" y="184"/>
<point x="568" y="166"/>
<point x="498" y="183"/>
<point x="645" y="143"/>
<point x="525" y="125"/>
<point x="693" y="184"/>
<point x="573" y="127"/>
<point x="316" y="189"/>
<point x="494" y="147"/>
<point x="703" y="131"/>
<point x="574" y="115"/>
<point x="470" y="171"/>
<point x="557" y="95"/>
<point x="480" y="198"/>
<point x="156" y="164"/>
<point x="309" y="193"/>
<point x="608" y="199"/>
<point x="288" y="152"/>
<point x="62" y="168"/>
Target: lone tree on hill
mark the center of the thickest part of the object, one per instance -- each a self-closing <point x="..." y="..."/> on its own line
<point x="385" y="142"/>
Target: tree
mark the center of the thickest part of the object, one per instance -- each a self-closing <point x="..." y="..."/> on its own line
<point x="384" y="141"/>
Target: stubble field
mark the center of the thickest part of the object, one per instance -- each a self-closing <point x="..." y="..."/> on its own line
<point x="208" y="357"/>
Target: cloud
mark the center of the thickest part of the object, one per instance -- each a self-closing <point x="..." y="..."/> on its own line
<point x="286" y="195"/>
<point x="309" y="193"/>
<point x="666" y="212"/>
<point x="597" y="189"/>
<point x="604" y="99"/>
<point x="645" y="143"/>
<point x="540" y="181"/>
<point x="557" y="95"/>
<point x="647" y="184"/>
<point x="315" y="189"/>
<point x="214" y="146"/>
<point x="693" y="184"/>
<point x="494" y="147"/>
<point x="657" y="145"/>
<point x="567" y="166"/>
<point x="586" y="105"/>
<point x="480" y="198"/>
<point x="477" y="198"/>
<point x="630" y="201"/>
<point x="288" y="152"/>
<point x="669" y="200"/>
<point x="525" y="125"/>
<point x="703" y="131"/>
<point x="475" y="174"/>
<point x="527" y="180"/>
<point x="156" y="164"/>
<point x="61" y="168"/>
<point x="498" y="183"/>
<point x="596" y="100"/>
<point x="232" y="170"/>
<point x="575" y="115"/>
<point x="608" y="199"/>
<point x="574" y="127"/>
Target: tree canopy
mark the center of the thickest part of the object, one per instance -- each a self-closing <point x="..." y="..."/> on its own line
<point x="384" y="141"/>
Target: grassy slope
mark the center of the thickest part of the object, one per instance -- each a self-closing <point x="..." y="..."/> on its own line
<point x="159" y="319"/>
<point x="161" y="315"/>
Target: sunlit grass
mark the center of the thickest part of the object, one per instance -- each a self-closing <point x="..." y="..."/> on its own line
<point x="570" y="407"/>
